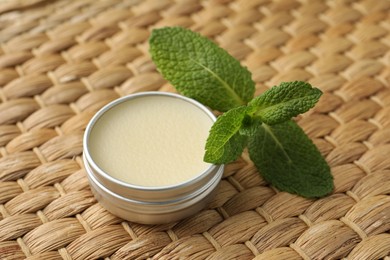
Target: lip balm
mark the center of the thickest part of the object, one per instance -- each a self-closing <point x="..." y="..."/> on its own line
<point x="143" y="155"/>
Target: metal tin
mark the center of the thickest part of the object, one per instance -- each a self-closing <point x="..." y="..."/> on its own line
<point x="150" y="205"/>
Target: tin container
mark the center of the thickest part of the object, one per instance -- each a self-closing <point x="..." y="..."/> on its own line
<point x="150" y="205"/>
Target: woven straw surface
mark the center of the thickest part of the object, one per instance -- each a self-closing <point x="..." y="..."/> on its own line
<point x="60" y="61"/>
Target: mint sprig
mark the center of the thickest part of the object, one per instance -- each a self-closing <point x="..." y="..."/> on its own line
<point x="279" y="148"/>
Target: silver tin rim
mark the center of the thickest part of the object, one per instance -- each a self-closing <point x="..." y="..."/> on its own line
<point x="105" y="178"/>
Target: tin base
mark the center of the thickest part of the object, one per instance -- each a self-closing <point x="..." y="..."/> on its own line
<point x="152" y="213"/>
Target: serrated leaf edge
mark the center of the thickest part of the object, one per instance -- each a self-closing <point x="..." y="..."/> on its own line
<point x="316" y="95"/>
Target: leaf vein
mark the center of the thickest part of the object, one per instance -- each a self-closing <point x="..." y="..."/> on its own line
<point x="224" y="83"/>
<point x="279" y="144"/>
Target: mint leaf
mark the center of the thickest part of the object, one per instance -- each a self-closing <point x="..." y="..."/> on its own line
<point x="289" y="160"/>
<point x="281" y="103"/>
<point x="225" y="143"/>
<point x="199" y="69"/>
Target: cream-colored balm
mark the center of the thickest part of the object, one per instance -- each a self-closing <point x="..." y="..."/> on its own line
<point x="151" y="141"/>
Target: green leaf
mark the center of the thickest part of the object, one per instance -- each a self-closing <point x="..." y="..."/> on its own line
<point x="199" y="69"/>
<point x="285" y="101"/>
<point x="289" y="160"/>
<point x="225" y="143"/>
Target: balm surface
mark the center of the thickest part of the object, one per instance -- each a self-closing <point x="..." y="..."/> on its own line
<point x="151" y="141"/>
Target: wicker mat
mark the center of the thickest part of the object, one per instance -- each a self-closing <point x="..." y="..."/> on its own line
<point x="60" y="61"/>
